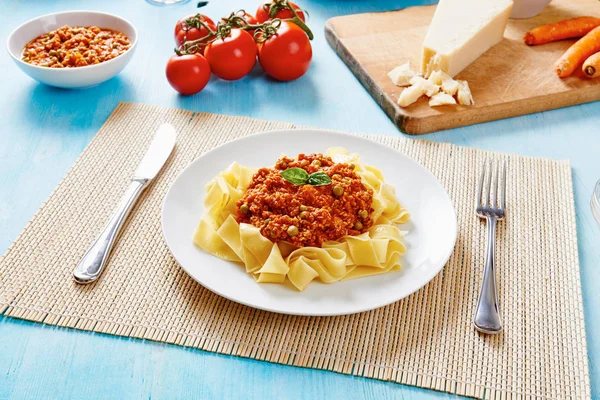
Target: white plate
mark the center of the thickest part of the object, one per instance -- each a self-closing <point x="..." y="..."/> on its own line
<point x="431" y="238"/>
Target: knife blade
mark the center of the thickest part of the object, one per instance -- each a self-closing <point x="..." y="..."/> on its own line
<point x="91" y="265"/>
<point x="158" y="152"/>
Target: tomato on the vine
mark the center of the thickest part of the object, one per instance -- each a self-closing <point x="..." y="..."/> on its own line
<point x="232" y="57"/>
<point x="191" y="28"/>
<point x="285" y="55"/>
<point x="262" y="14"/>
<point x="188" y="73"/>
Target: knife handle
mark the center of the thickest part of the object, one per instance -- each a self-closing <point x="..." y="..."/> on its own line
<point x="93" y="262"/>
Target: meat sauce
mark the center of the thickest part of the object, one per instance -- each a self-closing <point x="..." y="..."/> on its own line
<point x="307" y="215"/>
<point x="78" y="46"/>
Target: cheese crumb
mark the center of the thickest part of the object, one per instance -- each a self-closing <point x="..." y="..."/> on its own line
<point x="464" y="95"/>
<point x="441" y="99"/>
<point x="402" y="74"/>
<point x="448" y="85"/>
<point x="411" y="94"/>
<point x="430" y="87"/>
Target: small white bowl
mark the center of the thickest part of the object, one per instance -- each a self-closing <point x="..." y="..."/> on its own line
<point x="528" y="8"/>
<point x="71" y="78"/>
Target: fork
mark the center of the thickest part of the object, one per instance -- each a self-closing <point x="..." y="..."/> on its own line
<point x="491" y="207"/>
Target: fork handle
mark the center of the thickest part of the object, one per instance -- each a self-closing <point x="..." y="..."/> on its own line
<point x="487" y="314"/>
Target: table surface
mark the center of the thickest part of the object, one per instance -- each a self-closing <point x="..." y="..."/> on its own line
<point x="43" y="130"/>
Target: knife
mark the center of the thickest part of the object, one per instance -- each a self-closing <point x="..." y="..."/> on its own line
<point x="91" y="265"/>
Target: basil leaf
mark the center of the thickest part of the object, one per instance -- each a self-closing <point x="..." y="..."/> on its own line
<point x="319" y="179"/>
<point x="297" y="176"/>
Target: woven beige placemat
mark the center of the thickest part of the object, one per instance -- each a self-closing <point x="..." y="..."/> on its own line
<point x="425" y="340"/>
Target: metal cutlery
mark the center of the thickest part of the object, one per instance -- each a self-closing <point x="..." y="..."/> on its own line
<point x="91" y="265"/>
<point x="491" y="206"/>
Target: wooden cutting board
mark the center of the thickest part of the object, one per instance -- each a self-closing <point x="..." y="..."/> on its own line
<point x="510" y="79"/>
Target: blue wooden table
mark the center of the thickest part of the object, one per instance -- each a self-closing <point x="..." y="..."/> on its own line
<point x="43" y="130"/>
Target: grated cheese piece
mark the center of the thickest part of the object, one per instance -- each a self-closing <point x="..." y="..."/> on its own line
<point x="438" y="77"/>
<point x="430" y="87"/>
<point x="464" y="95"/>
<point x="402" y="74"/>
<point x="448" y="85"/>
<point x="411" y="94"/>
<point x="441" y="99"/>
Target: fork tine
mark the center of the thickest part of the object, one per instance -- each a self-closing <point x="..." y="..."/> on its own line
<point x="503" y="201"/>
<point x="495" y="202"/>
<point x="480" y="185"/>
<point x="490" y="170"/>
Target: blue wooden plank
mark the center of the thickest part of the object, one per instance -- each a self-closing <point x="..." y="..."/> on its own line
<point x="46" y="362"/>
<point x="43" y="130"/>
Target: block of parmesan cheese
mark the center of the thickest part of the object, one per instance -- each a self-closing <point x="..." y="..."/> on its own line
<point x="461" y="31"/>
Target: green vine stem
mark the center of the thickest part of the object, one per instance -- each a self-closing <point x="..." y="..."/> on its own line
<point x="266" y="30"/>
<point x="238" y="20"/>
<point x="193" y="46"/>
<point x="279" y="5"/>
<point x="296" y="20"/>
<point x="223" y="30"/>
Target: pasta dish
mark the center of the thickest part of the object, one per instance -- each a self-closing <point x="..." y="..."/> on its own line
<point x="326" y="217"/>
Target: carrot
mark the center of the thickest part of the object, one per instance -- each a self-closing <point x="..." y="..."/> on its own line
<point x="591" y="66"/>
<point x="578" y="53"/>
<point x="567" y="29"/>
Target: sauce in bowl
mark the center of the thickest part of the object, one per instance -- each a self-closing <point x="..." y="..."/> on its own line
<point x="78" y="46"/>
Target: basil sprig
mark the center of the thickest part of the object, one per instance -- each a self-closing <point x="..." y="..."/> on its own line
<point x="299" y="176"/>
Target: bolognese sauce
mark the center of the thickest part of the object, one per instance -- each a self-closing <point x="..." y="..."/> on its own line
<point x="307" y="215"/>
<point x="79" y="46"/>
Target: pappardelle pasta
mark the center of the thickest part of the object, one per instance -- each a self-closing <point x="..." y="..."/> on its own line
<point x="327" y="217"/>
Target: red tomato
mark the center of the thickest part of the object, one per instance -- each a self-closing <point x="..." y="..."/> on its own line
<point x="189" y="73"/>
<point x="232" y="57"/>
<point x="286" y="55"/>
<point x="193" y="31"/>
<point x="262" y="14"/>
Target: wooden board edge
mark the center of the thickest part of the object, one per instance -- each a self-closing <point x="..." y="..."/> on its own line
<point x="388" y="105"/>
<point x="488" y="114"/>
